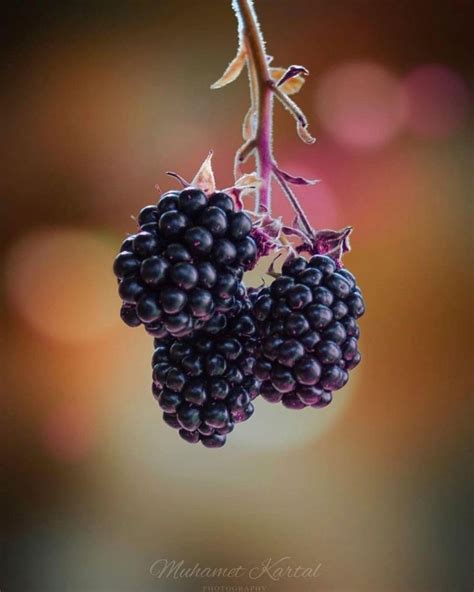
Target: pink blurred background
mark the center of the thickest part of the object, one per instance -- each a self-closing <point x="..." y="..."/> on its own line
<point x="98" y="100"/>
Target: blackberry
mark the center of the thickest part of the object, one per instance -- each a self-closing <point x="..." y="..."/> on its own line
<point x="205" y="384"/>
<point x="308" y="334"/>
<point x="184" y="267"/>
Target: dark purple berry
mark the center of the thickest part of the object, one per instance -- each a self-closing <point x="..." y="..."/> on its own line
<point x="130" y="289"/>
<point x="153" y="270"/>
<point x="215" y="365"/>
<point x="338" y="285"/>
<point x="191" y="201"/>
<point x="216" y="324"/>
<point x="169" y="401"/>
<point x="332" y="378"/>
<point x="322" y="295"/>
<point x="171" y="420"/>
<point x="125" y="264"/>
<point x="191" y="437"/>
<point x="295" y="325"/>
<point x="224" y="251"/>
<point x="223" y="201"/>
<point x="354" y="362"/>
<point x="282" y="379"/>
<point x="147" y="214"/>
<point x="198" y="240"/>
<point x="192" y="365"/>
<point x="319" y="316"/>
<point x="214" y="441"/>
<point x="148" y="309"/>
<point x="201" y="303"/>
<point x="289" y="352"/>
<point x="292" y="401"/>
<point x="195" y="392"/>
<point x="328" y="352"/>
<point x="324" y="400"/>
<point x="173" y="300"/>
<point x="188" y="417"/>
<point x="184" y="275"/>
<point x="281" y="286"/>
<point x="246" y="252"/>
<point x="310" y="277"/>
<point x="299" y="296"/>
<point x="145" y="244"/>
<point x="215" y="220"/>
<point x="129" y="316"/>
<point x="307" y="371"/>
<point x="323" y="263"/>
<point x="356" y="306"/>
<point x="177" y="253"/>
<point x="339" y="309"/>
<point x="177" y="324"/>
<point x="215" y="414"/>
<point x="294" y="266"/>
<point x="263" y="369"/>
<point x="172" y="224"/>
<point x="218" y="388"/>
<point x="175" y="379"/>
<point x="335" y="332"/>
<point x="207" y="275"/>
<point x="127" y="245"/>
<point x="269" y="392"/>
<point x="226" y="285"/>
<point x="168" y="202"/>
<point x="262" y="307"/>
<point x="240" y="226"/>
<point x="309" y="395"/>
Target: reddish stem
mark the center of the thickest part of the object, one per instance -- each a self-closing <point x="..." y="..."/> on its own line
<point x="261" y="82"/>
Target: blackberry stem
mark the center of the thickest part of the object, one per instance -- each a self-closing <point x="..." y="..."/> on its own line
<point x="262" y="92"/>
<point x="262" y="100"/>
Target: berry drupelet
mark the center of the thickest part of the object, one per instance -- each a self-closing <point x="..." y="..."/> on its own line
<point x="205" y="384"/>
<point x="184" y="267"/>
<point x="308" y="334"/>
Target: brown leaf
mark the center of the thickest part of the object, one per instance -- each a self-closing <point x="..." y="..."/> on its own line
<point x="233" y="70"/>
<point x="204" y="178"/>
<point x="304" y="134"/>
<point x="297" y="180"/>
<point x="248" y="126"/>
<point x="292" y="85"/>
<point x="249" y="180"/>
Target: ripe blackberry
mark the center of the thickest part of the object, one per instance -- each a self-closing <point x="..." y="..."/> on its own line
<point x="183" y="268"/>
<point x="308" y="334"/>
<point x="205" y="383"/>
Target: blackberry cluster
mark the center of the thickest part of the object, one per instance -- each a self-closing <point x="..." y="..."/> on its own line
<point x="183" y="269"/>
<point x="308" y="332"/>
<point x="205" y="383"/>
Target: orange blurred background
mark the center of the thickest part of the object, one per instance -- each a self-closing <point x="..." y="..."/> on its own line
<point x="98" y="100"/>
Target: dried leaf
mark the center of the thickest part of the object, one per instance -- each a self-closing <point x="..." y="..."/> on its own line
<point x="297" y="180"/>
<point x="249" y="125"/>
<point x="204" y="178"/>
<point x="233" y="69"/>
<point x="304" y="134"/>
<point x="249" y="180"/>
<point x="293" y="84"/>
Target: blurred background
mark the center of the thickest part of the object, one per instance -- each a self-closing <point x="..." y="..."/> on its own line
<point x="98" y="100"/>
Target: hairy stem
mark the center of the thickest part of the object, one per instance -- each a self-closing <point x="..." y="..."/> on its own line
<point x="262" y="95"/>
<point x="294" y="202"/>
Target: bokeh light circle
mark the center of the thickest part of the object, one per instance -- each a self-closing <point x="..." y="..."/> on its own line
<point x="60" y="282"/>
<point x="361" y="104"/>
<point x="437" y="100"/>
